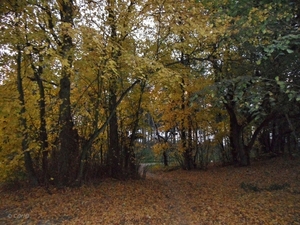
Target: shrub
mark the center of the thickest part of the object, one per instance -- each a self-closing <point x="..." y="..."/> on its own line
<point x="250" y="187"/>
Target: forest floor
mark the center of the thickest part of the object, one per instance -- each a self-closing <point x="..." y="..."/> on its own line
<point x="267" y="192"/>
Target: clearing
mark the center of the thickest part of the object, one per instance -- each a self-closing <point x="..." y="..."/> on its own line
<point x="267" y="192"/>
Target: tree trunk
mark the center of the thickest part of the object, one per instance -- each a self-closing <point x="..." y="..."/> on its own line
<point x="114" y="160"/>
<point x="25" y="141"/>
<point x="43" y="136"/>
<point x="240" y="153"/>
<point x="114" y="151"/>
<point x="293" y="133"/>
<point x="68" y="140"/>
<point x="187" y="153"/>
<point x="87" y="143"/>
<point x="133" y="164"/>
<point x="165" y="157"/>
<point x="68" y="137"/>
<point x="43" y="130"/>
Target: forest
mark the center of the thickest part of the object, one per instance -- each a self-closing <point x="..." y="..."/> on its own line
<point x="93" y="88"/>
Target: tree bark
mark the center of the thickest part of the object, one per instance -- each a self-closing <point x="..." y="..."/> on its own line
<point x="25" y="140"/>
<point x="240" y="153"/>
<point x="43" y="136"/>
<point x="114" y="160"/>
<point x="114" y="150"/>
<point x="68" y="137"/>
<point x="187" y="153"/>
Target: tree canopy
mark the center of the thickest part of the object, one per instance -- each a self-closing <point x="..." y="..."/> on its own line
<point x="90" y="88"/>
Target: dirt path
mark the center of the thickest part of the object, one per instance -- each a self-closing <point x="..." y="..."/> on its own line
<point x="175" y="197"/>
<point x="174" y="200"/>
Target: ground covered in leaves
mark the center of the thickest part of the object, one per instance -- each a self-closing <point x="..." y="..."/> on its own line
<point x="267" y="192"/>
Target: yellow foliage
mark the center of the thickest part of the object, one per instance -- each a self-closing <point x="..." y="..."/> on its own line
<point x="160" y="147"/>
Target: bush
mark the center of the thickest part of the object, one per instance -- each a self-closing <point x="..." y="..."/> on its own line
<point x="250" y="187"/>
<point x="276" y="187"/>
<point x="255" y="188"/>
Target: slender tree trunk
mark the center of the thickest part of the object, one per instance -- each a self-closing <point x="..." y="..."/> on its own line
<point x="43" y="136"/>
<point x="132" y="159"/>
<point x="196" y="146"/>
<point x="187" y="154"/>
<point x="114" y="150"/>
<point x="190" y="144"/>
<point x="87" y="144"/>
<point x="165" y="158"/>
<point x="293" y="132"/>
<point x="115" y="169"/>
<point x="43" y="130"/>
<point x="25" y="141"/>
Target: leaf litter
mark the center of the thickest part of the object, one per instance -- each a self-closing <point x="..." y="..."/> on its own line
<point x="267" y="192"/>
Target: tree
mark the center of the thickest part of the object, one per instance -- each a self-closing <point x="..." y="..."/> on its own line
<point x="250" y="94"/>
<point x="185" y="37"/>
<point x="16" y="26"/>
<point x="91" y="74"/>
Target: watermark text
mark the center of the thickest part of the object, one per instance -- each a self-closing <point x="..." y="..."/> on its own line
<point x="18" y="216"/>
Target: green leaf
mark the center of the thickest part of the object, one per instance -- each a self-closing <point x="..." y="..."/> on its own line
<point x="291" y="96"/>
<point x="281" y="85"/>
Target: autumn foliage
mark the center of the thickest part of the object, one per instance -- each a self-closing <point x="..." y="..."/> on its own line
<point x="90" y="89"/>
